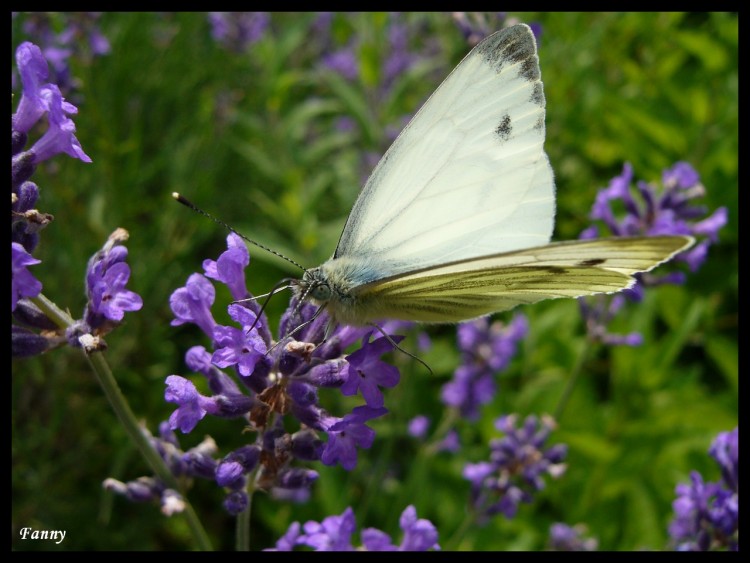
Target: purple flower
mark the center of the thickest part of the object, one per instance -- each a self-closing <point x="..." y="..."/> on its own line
<point x="236" y="502"/>
<point x="658" y="211"/>
<point x="65" y="35"/>
<point x="707" y="513"/>
<point x="366" y="371"/>
<point x="681" y="175"/>
<point x="332" y="534"/>
<point x="344" y="62"/>
<point x="107" y="275"/>
<point x="649" y="210"/>
<point x="231" y="471"/>
<point x="25" y="343"/>
<point x="238" y="30"/>
<point x="419" y="534"/>
<point x="399" y="59"/>
<point x="278" y="380"/>
<point x="418" y="426"/>
<point x="517" y="464"/>
<point x="725" y="450"/>
<point x="377" y="540"/>
<point x="598" y="311"/>
<point x="570" y="538"/>
<point x="243" y="348"/>
<point x="486" y="349"/>
<point x="192" y="406"/>
<point x="34" y="71"/>
<point x="348" y="433"/>
<point x="451" y="442"/>
<point x="198" y="461"/>
<point x="23" y="283"/>
<point x="143" y="489"/>
<point x="26" y="221"/>
<point x="37" y="99"/>
<point x="289" y="539"/>
<point x="192" y="304"/>
<point x="60" y="137"/>
<point x="475" y="26"/>
<point x="229" y="269"/>
<point x="85" y="25"/>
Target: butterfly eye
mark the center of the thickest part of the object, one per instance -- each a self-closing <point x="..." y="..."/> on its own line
<point x="320" y="292"/>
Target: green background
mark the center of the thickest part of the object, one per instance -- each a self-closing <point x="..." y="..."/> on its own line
<point x="250" y="137"/>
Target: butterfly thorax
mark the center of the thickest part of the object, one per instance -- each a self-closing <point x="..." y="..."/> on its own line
<point x="335" y="285"/>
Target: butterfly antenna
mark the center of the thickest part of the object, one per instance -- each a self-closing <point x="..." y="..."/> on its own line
<point x="191" y="205"/>
<point x="400" y="349"/>
<point x="276" y="289"/>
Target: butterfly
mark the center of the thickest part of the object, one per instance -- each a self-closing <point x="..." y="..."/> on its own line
<point x="455" y="220"/>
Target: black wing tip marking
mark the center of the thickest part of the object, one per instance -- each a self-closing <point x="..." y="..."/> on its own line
<point x="515" y="45"/>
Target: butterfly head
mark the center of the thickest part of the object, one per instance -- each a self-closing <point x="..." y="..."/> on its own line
<point x="314" y="285"/>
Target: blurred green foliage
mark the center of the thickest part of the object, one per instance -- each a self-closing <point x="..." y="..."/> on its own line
<point x="252" y="138"/>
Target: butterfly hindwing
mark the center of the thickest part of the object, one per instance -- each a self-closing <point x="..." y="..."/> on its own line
<point x="471" y="288"/>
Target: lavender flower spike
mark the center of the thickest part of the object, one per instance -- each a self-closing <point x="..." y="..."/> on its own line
<point x="23" y="283"/>
<point x="106" y="277"/>
<point x="707" y="513"/>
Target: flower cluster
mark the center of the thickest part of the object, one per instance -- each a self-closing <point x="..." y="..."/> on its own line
<point x="570" y="538"/>
<point x="398" y="57"/>
<point x="237" y="31"/>
<point x="108" y="299"/>
<point x="196" y="462"/>
<point x="276" y="379"/>
<point x="707" y="513"/>
<point x="107" y="272"/>
<point x="375" y="81"/>
<point x="335" y="534"/>
<point x="665" y="210"/>
<point x="516" y="467"/>
<point x="64" y="36"/>
<point x="486" y="348"/>
<point x="668" y="210"/>
<point x="475" y="26"/>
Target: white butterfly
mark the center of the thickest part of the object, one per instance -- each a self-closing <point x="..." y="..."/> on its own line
<point x="455" y="220"/>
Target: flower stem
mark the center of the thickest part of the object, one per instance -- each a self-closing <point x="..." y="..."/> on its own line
<point x="128" y="420"/>
<point x="242" y="531"/>
<point x="573" y="379"/>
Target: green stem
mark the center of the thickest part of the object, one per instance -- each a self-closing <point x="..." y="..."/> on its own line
<point x="242" y="531"/>
<point x="572" y="380"/>
<point x="450" y="417"/>
<point x="455" y="540"/>
<point x="128" y="420"/>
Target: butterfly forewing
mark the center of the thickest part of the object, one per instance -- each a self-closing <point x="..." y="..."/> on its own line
<point x="468" y="176"/>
